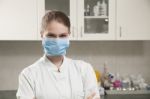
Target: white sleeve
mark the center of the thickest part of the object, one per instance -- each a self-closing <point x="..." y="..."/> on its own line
<point x="90" y="82"/>
<point x="26" y="87"/>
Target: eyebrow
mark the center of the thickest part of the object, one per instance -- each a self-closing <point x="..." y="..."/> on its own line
<point x="53" y="34"/>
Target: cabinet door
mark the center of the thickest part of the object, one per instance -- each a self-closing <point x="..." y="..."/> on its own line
<point x="133" y="19"/>
<point x="66" y="6"/>
<point x="18" y="19"/>
<point x="96" y="19"/>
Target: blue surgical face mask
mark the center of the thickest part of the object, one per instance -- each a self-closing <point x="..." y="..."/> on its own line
<point x="55" y="46"/>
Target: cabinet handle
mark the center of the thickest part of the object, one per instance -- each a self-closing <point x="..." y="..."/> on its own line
<point x="120" y="31"/>
<point x="81" y="31"/>
<point x="72" y="31"/>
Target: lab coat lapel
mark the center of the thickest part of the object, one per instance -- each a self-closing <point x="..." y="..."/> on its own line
<point x="75" y="81"/>
<point x="72" y="81"/>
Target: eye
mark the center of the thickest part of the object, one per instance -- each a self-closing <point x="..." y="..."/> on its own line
<point x="63" y="35"/>
<point x="50" y="35"/>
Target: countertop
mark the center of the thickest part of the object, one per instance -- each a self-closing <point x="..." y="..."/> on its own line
<point x="11" y="94"/>
<point x="135" y="96"/>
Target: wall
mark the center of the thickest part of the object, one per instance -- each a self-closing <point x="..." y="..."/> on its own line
<point x="124" y="57"/>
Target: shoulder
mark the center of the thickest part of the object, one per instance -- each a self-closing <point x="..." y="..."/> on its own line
<point x="32" y="69"/>
<point x="81" y="65"/>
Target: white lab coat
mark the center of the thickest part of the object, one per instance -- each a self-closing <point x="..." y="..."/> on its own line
<point x="76" y="80"/>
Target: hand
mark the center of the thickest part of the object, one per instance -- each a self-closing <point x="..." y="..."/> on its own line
<point x="92" y="96"/>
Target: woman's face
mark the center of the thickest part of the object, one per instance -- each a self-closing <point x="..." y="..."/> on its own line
<point x="56" y="30"/>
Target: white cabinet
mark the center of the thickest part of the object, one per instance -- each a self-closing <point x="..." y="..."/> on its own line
<point x="18" y="19"/>
<point x="66" y="6"/>
<point x="89" y="27"/>
<point x="96" y="19"/>
<point x="133" y="19"/>
<point x="103" y="19"/>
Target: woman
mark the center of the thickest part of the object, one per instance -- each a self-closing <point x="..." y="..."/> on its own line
<point x="54" y="76"/>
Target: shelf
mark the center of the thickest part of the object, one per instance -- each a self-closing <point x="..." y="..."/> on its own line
<point x="96" y="17"/>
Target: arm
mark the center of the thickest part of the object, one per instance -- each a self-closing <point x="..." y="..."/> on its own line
<point x="25" y="88"/>
<point x="92" y="96"/>
<point x="20" y="98"/>
<point x="90" y="84"/>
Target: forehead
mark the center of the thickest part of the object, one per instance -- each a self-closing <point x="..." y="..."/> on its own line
<point x="57" y="27"/>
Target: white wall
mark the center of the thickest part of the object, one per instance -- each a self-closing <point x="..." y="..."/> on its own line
<point x="124" y="57"/>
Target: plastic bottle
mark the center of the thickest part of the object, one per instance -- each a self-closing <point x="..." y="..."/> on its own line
<point x="96" y="9"/>
<point x="105" y="77"/>
<point x="103" y="9"/>
<point x="87" y="10"/>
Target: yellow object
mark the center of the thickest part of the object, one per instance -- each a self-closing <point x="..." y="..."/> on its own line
<point x="98" y="75"/>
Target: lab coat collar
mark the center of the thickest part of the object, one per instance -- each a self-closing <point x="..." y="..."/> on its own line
<point x="52" y="66"/>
